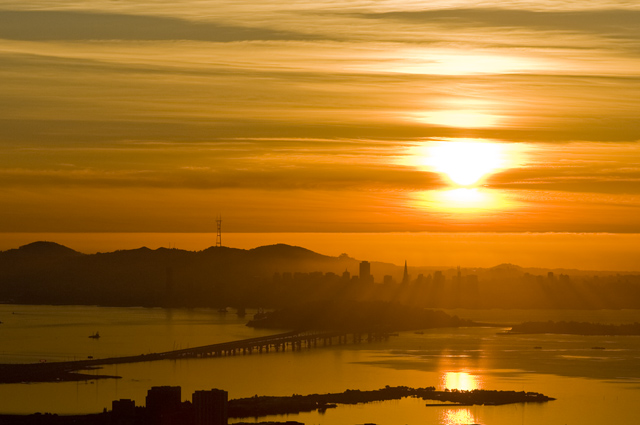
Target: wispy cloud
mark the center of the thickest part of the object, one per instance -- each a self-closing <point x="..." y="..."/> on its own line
<point x="603" y="21"/>
<point x="249" y="102"/>
<point x="47" y="25"/>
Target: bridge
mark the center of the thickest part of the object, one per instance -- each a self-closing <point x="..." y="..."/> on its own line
<point x="296" y="340"/>
<point x="293" y="341"/>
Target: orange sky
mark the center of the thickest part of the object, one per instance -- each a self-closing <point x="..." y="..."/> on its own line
<point x="324" y="116"/>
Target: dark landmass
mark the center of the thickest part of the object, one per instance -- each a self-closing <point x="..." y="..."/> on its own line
<point x="46" y="372"/>
<point x="575" y="328"/>
<point x="49" y="273"/>
<point x="95" y="419"/>
<point x="50" y="419"/>
<point x="279" y="276"/>
<point x="266" y="405"/>
<point x="259" y="406"/>
<point x="358" y="316"/>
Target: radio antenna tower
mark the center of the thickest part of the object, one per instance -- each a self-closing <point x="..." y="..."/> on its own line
<point x="219" y="234"/>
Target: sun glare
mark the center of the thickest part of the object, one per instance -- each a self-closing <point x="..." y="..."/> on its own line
<point x="462" y="200"/>
<point x="457" y="417"/>
<point x="456" y="118"/>
<point x="465" y="162"/>
<point x="462" y="381"/>
<point x="466" y="198"/>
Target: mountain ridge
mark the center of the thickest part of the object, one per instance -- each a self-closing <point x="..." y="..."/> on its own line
<point x="274" y="276"/>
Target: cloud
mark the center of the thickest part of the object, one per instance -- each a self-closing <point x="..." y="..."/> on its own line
<point x="73" y="26"/>
<point x="576" y="168"/>
<point x="608" y="21"/>
<point x="238" y="174"/>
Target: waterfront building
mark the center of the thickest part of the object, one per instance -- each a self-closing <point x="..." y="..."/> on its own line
<point x="210" y="407"/>
<point x="163" y="405"/>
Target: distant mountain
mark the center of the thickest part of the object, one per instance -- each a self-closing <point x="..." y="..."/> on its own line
<point x="42" y="248"/>
<point x="30" y="258"/>
<point x="506" y="267"/>
<point x="284" y="250"/>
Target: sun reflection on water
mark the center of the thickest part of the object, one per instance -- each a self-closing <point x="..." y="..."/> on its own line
<point x="457" y="417"/>
<point x="462" y="381"/>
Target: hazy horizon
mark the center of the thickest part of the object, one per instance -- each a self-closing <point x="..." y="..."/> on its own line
<point x="600" y="252"/>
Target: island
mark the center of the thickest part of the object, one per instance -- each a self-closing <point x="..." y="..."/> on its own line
<point x="268" y="405"/>
<point x="261" y="406"/>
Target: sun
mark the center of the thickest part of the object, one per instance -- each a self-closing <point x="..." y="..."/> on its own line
<point x="465" y="162"/>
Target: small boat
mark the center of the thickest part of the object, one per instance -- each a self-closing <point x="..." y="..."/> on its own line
<point x="95" y="335"/>
<point x="223" y="310"/>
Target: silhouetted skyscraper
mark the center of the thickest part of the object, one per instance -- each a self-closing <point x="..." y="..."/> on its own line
<point x="163" y="405"/>
<point x="438" y="278"/>
<point x="123" y="412"/>
<point x="210" y="407"/>
<point x="346" y="276"/>
<point x="405" y="277"/>
<point x="365" y="272"/>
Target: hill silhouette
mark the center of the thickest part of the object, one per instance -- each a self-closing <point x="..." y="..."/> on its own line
<point x="42" y="249"/>
<point x="277" y="276"/>
<point x="46" y="272"/>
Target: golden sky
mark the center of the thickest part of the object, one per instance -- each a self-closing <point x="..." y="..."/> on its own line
<point x="320" y="116"/>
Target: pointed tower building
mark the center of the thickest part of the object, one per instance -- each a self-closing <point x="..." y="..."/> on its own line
<point x="405" y="277"/>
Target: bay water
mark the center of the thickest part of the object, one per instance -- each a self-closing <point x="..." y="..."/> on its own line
<point x="596" y="379"/>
